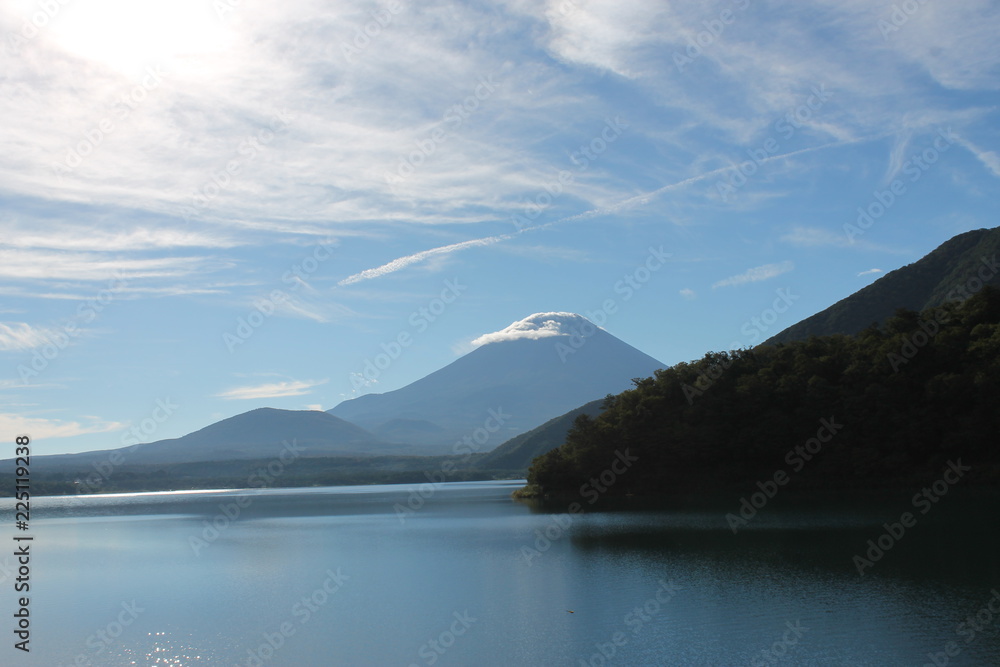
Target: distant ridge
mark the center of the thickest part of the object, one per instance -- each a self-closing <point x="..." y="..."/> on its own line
<point x="257" y="434"/>
<point x="931" y="281"/>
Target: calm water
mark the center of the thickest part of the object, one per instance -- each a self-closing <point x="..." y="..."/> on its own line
<point x="116" y="580"/>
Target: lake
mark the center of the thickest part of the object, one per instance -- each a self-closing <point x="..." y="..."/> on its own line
<point x="380" y="575"/>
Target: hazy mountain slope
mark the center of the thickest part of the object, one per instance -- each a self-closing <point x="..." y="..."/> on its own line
<point x="252" y="435"/>
<point x="518" y="452"/>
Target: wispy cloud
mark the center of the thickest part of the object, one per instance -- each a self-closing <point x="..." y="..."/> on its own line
<point x="870" y="272"/>
<point x="756" y="274"/>
<point x="688" y="293"/>
<point x="814" y="237"/>
<point x="46" y="429"/>
<point x="198" y="117"/>
<point x="20" y="336"/>
<point x="271" y="390"/>
<point x="167" y="155"/>
<point x="897" y="156"/>
<point x="87" y="266"/>
<point x="314" y="306"/>
<point x="990" y="159"/>
<point x="625" y="204"/>
<point x="42" y="234"/>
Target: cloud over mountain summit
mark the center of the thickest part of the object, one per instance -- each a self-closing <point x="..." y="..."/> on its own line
<point x="539" y="325"/>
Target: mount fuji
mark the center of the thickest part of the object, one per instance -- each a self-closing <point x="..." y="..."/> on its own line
<point x="516" y="379"/>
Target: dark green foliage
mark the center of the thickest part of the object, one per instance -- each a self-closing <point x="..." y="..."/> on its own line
<point x="912" y="394"/>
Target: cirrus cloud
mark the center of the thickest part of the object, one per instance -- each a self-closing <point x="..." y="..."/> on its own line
<point x="21" y="336"/>
<point x="47" y="429"/>
<point x="756" y="274"/>
<point x="271" y="390"/>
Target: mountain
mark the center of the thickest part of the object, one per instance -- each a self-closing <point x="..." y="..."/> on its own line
<point x="940" y="276"/>
<point x="887" y="409"/>
<point x="258" y="434"/>
<point x="531" y="371"/>
<point x="518" y="452"/>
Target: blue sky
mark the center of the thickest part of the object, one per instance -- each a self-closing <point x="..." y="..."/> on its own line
<point x="210" y="206"/>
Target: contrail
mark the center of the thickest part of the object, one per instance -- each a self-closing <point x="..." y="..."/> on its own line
<point x="403" y="262"/>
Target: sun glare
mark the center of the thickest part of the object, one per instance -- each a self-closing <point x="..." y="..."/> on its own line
<point x="129" y="36"/>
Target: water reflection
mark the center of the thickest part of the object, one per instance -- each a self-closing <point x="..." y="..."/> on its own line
<point x="470" y="550"/>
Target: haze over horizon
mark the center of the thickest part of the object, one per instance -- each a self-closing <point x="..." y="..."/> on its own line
<point x="231" y="205"/>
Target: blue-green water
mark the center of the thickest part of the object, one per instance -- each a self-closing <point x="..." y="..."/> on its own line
<point x="339" y="576"/>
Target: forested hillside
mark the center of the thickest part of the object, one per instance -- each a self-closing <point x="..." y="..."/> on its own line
<point x="889" y="407"/>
